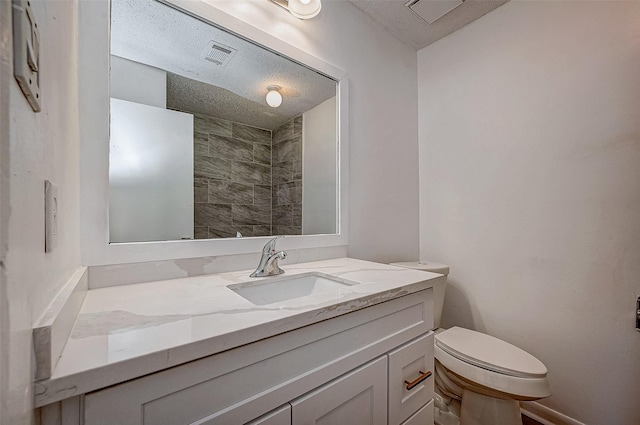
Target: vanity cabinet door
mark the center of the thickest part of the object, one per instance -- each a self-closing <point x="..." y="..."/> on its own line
<point x="357" y="398"/>
<point x="423" y="416"/>
<point x="280" y="416"/>
<point x="412" y="363"/>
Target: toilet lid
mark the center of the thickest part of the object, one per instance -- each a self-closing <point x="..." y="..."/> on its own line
<point x="489" y="353"/>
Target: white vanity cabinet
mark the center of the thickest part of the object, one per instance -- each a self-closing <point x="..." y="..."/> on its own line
<point x="348" y="369"/>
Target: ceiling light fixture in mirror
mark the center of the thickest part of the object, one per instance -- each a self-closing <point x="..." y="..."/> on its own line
<point x="274" y="98"/>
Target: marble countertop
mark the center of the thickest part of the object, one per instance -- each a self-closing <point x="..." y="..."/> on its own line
<point x="129" y="331"/>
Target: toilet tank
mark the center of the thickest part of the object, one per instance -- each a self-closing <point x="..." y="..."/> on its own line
<point x="438" y="288"/>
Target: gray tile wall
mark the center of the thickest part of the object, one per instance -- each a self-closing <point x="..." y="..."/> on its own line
<point x="286" y="188"/>
<point x="232" y="181"/>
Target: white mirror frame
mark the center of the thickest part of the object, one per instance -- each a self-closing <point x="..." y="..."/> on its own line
<point x="93" y="65"/>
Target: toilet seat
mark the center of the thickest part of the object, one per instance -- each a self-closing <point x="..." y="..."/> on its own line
<point x="490" y="353"/>
<point x="492" y="363"/>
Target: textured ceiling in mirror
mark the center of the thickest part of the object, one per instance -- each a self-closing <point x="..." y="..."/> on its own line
<point x="149" y="32"/>
<point x="185" y="94"/>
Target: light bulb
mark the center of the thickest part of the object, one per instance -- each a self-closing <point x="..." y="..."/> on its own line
<point x="304" y="9"/>
<point x="274" y="98"/>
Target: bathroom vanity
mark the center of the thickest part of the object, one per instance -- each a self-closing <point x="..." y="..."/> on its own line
<point x="212" y="350"/>
<point x="330" y="341"/>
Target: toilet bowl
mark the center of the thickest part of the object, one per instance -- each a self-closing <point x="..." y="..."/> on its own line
<point x="487" y="375"/>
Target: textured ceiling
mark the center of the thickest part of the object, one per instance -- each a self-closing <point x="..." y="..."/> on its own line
<point x="152" y="33"/>
<point x="185" y="94"/>
<point x="403" y="23"/>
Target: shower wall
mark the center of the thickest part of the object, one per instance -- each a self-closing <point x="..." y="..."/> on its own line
<point x="246" y="179"/>
<point x="232" y="179"/>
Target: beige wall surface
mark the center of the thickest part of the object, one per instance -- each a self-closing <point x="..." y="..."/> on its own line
<point x="6" y="76"/>
<point x="529" y="134"/>
<point x="42" y="146"/>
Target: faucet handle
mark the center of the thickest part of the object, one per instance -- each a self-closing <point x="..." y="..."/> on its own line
<point x="270" y="247"/>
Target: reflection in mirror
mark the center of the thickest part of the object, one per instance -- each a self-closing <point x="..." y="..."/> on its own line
<point x="196" y="152"/>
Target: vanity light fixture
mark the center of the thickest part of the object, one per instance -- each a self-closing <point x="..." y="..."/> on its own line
<point x="274" y="98"/>
<point x="301" y="9"/>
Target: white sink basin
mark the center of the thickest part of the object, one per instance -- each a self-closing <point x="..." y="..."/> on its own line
<point x="273" y="290"/>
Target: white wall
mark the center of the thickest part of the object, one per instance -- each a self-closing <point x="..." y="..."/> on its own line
<point x="137" y="82"/>
<point x="319" y="191"/>
<point x="383" y="120"/>
<point x="529" y="132"/>
<point x="42" y="146"/>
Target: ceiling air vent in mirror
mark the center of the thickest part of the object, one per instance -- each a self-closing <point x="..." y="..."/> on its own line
<point x="218" y="53"/>
<point x="432" y="10"/>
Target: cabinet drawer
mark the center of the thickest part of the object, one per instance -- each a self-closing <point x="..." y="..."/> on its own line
<point x="408" y="363"/>
<point x="423" y="416"/>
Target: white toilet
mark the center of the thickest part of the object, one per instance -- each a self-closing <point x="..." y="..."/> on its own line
<point x="489" y="376"/>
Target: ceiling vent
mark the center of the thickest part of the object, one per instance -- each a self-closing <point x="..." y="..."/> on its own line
<point x="432" y="10"/>
<point x="218" y="53"/>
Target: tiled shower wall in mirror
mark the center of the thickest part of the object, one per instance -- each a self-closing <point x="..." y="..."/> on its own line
<point x="245" y="180"/>
<point x="287" y="178"/>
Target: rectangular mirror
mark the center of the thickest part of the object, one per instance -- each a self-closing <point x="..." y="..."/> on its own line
<point x="196" y="152"/>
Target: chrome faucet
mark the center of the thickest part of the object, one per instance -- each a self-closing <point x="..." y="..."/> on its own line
<point x="269" y="261"/>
